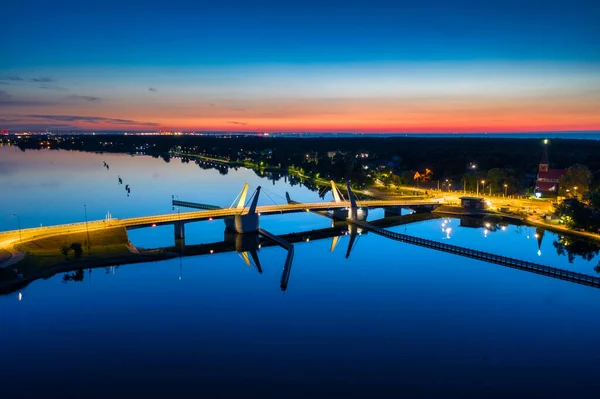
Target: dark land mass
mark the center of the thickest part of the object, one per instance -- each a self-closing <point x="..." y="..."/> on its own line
<point x="351" y="158"/>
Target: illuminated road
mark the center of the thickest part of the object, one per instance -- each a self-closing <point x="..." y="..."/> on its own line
<point x="8" y="238"/>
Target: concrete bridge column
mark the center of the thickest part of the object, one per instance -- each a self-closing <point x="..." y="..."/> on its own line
<point x="179" y="228"/>
<point x="248" y="222"/>
<point x="353" y="211"/>
<point x="392" y="211"/>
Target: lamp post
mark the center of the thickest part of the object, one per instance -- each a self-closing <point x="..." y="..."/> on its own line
<point x="505" y="190"/>
<point x="87" y="231"/>
<point x="482" y="186"/>
<point x="19" y="222"/>
<point x="575" y="188"/>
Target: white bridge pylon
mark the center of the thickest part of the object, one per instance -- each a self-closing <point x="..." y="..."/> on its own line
<point x="337" y="194"/>
<point x="241" y="198"/>
<point x="240" y="201"/>
<point x="248" y="222"/>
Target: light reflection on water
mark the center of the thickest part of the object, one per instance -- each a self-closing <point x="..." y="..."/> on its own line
<point x="391" y="314"/>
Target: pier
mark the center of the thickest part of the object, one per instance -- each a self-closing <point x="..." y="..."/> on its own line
<point x="548" y="271"/>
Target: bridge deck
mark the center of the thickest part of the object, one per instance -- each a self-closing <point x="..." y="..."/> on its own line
<point x="549" y="271"/>
<point x="146" y="221"/>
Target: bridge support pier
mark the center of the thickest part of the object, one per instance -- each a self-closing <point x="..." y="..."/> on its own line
<point x="179" y="230"/>
<point x="392" y="211"/>
<point x="354" y="212"/>
<point x="245" y="223"/>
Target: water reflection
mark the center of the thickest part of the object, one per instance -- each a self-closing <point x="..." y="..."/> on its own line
<point x="572" y="247"/>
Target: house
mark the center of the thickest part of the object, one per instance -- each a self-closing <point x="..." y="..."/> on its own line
<point x="473" y="203"/>
<point x="547" y="182"/>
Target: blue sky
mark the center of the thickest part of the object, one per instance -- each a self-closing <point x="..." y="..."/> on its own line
<point x="114" y="44"/>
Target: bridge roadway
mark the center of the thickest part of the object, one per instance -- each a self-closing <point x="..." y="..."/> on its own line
<point x="9" y="237"/>
<point x="549" y="271"/>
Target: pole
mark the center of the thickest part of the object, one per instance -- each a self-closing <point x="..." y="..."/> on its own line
<point x="19" y="223"/>
<point x="86" y="228"/>
<point x="465" y="186"/>
<point x="505" y="190"/>
<point x="477" y="188"/>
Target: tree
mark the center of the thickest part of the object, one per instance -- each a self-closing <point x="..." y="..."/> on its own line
<point x="498" y="177"/>
<point x="571" y="247"/>
<point x="593" y="199"/>
<point x="576" y="215"/>
<point x="407" y="178"/>
<point x="77" y="249"/>
<point x="577" y="180"/>
<point x="65" y="249"/>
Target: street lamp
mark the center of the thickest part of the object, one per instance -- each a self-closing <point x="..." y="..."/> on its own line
<point x="19" y="222"/>
<point x="575" y="188"/>
<point x="482" y="186"/>
<point x="505" y="190"/>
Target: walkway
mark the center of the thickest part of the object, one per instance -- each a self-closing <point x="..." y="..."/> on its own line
<point x="561" y="274"/>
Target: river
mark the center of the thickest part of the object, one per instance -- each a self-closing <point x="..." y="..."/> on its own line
<point x="389" y="318"/>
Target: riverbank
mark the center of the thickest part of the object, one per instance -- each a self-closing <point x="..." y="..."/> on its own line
<point x="46" y="256"/>
<point x="538" y="221"/>
<point x="531" y="220"/>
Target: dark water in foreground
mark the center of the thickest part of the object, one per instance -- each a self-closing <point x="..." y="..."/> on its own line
<point x="390" y="320"/>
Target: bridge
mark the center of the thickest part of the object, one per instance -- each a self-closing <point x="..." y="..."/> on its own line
<point x="249" y="245"/>
<point x="238" y="217"/>
<point x="532" y="267"/>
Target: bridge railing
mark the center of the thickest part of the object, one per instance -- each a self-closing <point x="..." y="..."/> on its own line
<point x="222" y="212"/>
<point x="489" y="257"/>
<point x="58" y="226"/>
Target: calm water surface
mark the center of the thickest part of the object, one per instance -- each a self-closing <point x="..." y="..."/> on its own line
<point x="390" y="319"/>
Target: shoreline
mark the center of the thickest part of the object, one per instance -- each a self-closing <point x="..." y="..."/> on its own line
<point x="10" y="286"/>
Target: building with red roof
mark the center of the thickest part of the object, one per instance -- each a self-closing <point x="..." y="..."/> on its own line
<point x="547" y="181"/>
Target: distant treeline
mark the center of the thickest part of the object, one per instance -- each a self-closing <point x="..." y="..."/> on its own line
<point x="446" y="157"/>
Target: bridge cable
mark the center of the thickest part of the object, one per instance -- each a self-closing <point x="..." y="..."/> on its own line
<point x="275" y="194"/>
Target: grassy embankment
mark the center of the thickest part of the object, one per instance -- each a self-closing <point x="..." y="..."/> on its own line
<point x="380" y="192"/>
<point x="105" y="245"/>
<point x="44" y="257"/>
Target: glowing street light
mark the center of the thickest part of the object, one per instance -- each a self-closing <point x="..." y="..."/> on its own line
<point x="505" y="189"/>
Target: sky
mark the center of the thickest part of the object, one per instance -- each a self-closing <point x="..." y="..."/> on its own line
<point x="301" y="66"/>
